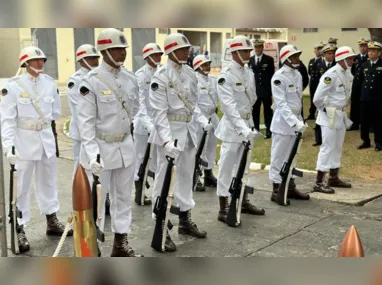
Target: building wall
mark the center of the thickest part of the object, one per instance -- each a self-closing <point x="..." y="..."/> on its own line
<point x="9" y="50"/>
<point x="306" y="41"/>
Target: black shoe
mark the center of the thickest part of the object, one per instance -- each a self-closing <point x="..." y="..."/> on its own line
<point x="364" y="145"/>
<point x="268" y="135"/>
<point x="316" y="144"/>
<point x="378" y="148"/>
<point x="310" y="117"/>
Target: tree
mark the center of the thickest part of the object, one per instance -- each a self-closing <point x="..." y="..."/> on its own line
<point x="376" y="34"/>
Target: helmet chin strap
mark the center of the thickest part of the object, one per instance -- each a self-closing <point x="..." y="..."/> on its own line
<point x="204" y="71"/>
<point x="155" y="62"/>
<point x="243" y="61"/>
<point x="119" y="64"/>
<point x="346" y="64"/>
<point x="87" y="64"/>
<point x="295" y="65"/>
<point x="38" y="71"/>
<point x="179" y="61"/>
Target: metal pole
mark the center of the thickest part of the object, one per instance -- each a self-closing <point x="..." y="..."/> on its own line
<point x="3" y="216"/>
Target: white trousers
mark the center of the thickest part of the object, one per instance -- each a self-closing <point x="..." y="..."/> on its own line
<point x="119" y="186"/>
<point x="281" y="147"/>
<point x="140" y="142"/>
<point x="330" y="153"/>
<point x="184" y="164"/>
<point x="45" y="186"/>
<point x="230" y="156"/>
<point x="210" y="149"/>
<point x="76" y="146"/>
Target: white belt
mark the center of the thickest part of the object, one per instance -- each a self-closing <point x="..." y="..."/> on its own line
<point x="343" y="109"/>
<point x="246" y="116"/>
<point x="180" y="118"/>
<point x="33" y="127"/>
<point x="208" y="111"/>
<point x="111" y="138"/>
<point x="296" y="111"/>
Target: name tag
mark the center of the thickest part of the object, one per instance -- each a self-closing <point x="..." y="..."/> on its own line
<point x="379" y="68"/>
<point x="238" y="84"/>
<point x="365" y="69"/>
<point x="106" y="92"/>
<point x="341" y="85"/>
<point x="203" y="88"/>
<point x="265" y="65"/>
<point x="170" y="85"/>
<point x="147" y="82"/>
<point x="24" y="95"/>
<point x="291" y="85"/>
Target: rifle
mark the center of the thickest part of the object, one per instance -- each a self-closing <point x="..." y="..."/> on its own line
<point x="142" y="174"/>
<point x="97" y="198"/>
<point x="238" y="188"/>
<point x="163" y="207"/>
<point x="14" y="213"/>
<point x="288" y="170"/>
<point x="199" y="162"/>
<point x="55" y="137"/>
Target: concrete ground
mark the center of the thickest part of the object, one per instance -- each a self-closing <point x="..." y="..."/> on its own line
<point x="305" y="229"/>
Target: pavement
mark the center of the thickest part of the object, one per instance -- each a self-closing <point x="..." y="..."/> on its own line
<point x="313" y="228"/>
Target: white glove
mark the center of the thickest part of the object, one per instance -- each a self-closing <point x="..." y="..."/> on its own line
<point x="96" y="167"/>
<point x="171" y="150"/>
<point x="252" y="135"/>
<point x="12" y="158"/>
<point x="301" y="127"/>
<point x="208" y="127"/>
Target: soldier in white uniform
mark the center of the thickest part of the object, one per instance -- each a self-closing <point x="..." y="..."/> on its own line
<point x="176" y="116"/>
<point x="88" y="57"/>
<point x="30" y="102"/>
<point x="208" y="105"/>
<point x="287" y="119"/>
<point x="237" y="94"/>
<point x="105" y="113"/>
<point x="331" y="99"/>
<point x="143" y="123"/>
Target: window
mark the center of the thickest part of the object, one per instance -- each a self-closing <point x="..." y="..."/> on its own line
<point x="164" y="31"/>
<point x="348" y="29"/>
<point x="257" y="37"/>
<point x="310" y="30"/>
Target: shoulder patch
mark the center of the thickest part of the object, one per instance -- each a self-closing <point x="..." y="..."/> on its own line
<point x="70" y="85"/>
<point x="4" y="92"/>
<point x="154" y="86"/>
<point x="327" y="80"/>
<point x="84" y="91"/>
<point x="277" y="82"/>
<point x="221" y="81"/>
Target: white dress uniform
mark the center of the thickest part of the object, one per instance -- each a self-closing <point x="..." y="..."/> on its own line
<point x="237" y="93"/>
<point x="143" y="122"/>
<point x="333" y="91"/>
<point x="287" y="96"/>
<point x="174" y="120"/>
<point x="73" y="97"/>
<point x="28" y="108"/>
<point x="104" y="126"/>
<point x="208" y="104"/>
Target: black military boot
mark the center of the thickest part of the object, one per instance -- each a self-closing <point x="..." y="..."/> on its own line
<point x="188" y="227"/>
<point x="200" y="187"/>
<point x="209" y="178"/>
<point x="107" y="205"/>
<point x="276" y="187"/>
<point x="22" y="239"/>
<point x="55" y="227"/>
<point x="138" y="193"/>
<point x="320" y="185"/>
<point x="169" y="245"/>
<point x="121" y="247"/>
<point x="248" y="208"/>
<point x="294" y="193"/>
<point x="223" y="212"/>
<point x="335" y="181"/>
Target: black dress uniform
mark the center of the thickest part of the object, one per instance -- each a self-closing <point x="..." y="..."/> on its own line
<point x="322" y="67"/>
<point x="263" y="68"/>
<point x="371" y="103"/>
<point x="355" y="108"/>
<point x="314" y="80"/>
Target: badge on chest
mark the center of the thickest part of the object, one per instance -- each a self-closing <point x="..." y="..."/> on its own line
<point x="106" y="92"/>
<point x="24" y="95"/>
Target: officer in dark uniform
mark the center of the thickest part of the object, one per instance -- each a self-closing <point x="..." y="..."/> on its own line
<point x="314" y="77"/>
<point x="355" y="108"/>
<point x="327" y="62"/>
<point x="263" y="67"/>
<point x="371" y="96"/>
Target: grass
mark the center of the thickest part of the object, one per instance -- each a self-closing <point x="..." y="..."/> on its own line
<point x="363" y="164"/>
